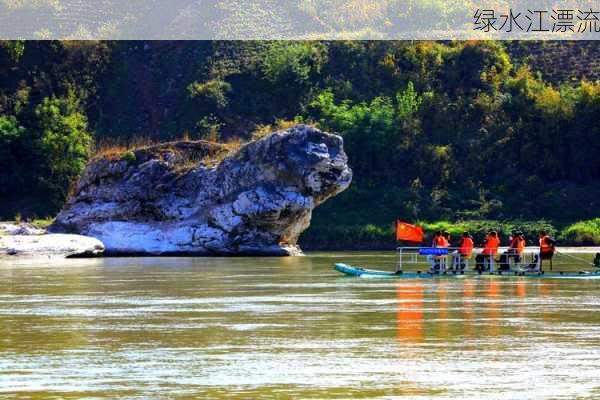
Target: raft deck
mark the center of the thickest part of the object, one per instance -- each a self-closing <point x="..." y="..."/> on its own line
<point x="431" y="262"/>
<point x="354" y="271"/>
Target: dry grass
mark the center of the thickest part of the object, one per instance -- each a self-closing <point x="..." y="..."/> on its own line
<point x="117" y="148"/>
<point x="110" y="148"/>
<point x="280" y="124"/>
<point x="113" y="148"/>
<point x="232" y="146"/>
<point x="235" y="144"/>
<point x="189" y="164"/>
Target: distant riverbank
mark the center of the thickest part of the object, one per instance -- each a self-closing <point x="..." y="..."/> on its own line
<point x="322" y="236"/>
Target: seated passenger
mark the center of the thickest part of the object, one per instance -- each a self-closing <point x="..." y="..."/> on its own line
<point x="514" y="251"/>
<point x="439" y="241"/>
<point x="445" y="242"/>
<point x="490" y="249"/>
<point x="464" y="251"/>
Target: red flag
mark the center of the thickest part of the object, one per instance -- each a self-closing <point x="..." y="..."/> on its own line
<point x="408" y="232"/>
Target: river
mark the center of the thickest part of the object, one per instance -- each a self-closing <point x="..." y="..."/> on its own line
<point x="290" y="328"/>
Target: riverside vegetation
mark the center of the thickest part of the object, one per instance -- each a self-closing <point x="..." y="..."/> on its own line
<point x="474" y="133"/>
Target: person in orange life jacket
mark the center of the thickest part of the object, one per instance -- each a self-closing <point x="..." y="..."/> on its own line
<point x="466" y="245"/>
<point x="438" y="241"/>
<point x="464" y="251"/>
<point x="445" y="239"/>
<point x="490" y="249"/>
<point x="515" y="250"/>
<point x="434" y="243"/>
<point x="444" y="242"/>
<point x="518" y="243"/>
<point x="547" y="247"/>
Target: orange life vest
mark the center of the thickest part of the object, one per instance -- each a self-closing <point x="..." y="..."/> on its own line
<point x="440" y="241"/>
<point x="466" y="246"/>
<point x="518" y="243"/>
<point x="546" y="247"/>
<point x="491" y="245"/>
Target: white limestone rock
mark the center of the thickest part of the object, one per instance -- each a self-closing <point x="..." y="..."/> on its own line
<point x="52" y="245"/>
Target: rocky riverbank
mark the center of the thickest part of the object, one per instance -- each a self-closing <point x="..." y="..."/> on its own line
<point x="24" y="240"/>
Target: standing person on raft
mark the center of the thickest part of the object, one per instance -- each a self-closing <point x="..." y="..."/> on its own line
<point x="547" y="248"/>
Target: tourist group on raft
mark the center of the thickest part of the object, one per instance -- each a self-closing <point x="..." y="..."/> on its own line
<point x="490" y="259"/>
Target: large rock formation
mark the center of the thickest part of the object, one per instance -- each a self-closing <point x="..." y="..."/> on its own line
<point x="206" y="199"/>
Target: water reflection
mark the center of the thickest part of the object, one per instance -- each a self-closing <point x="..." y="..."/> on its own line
<point x="442" y="324"/>
<point x="545" y="289"/>
<point x="409" y="317"/>
<point x="468" y="308"/>
<point x="493" y="314"/>
<point x="521" y="289"/>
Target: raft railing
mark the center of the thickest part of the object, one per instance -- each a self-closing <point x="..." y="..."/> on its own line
<point x="450" y="258"/>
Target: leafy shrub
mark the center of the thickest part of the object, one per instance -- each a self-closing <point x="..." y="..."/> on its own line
<point x="209" y="128"/>
<point x="293" y="62"/>
<point x="408" y="102"/>
<point x="9" y="130"/>
<point x="11" y="51"/>
<point x="582" y="232"/>
<point x="479" y="229"/>
<point x="213" y="90"/>
<point x="130" y="157"/>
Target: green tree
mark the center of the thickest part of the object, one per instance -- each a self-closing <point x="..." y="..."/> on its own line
<point x="293" y="61"/>
<point x="64" y="143"/>
<point x="10" y="131"/>
<point x="11" y="135"/>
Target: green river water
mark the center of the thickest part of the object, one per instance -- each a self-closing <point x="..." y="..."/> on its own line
<point x="290" y="328"/>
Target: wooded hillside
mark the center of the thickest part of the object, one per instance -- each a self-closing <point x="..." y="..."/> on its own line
<point x="452" y="131"/>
